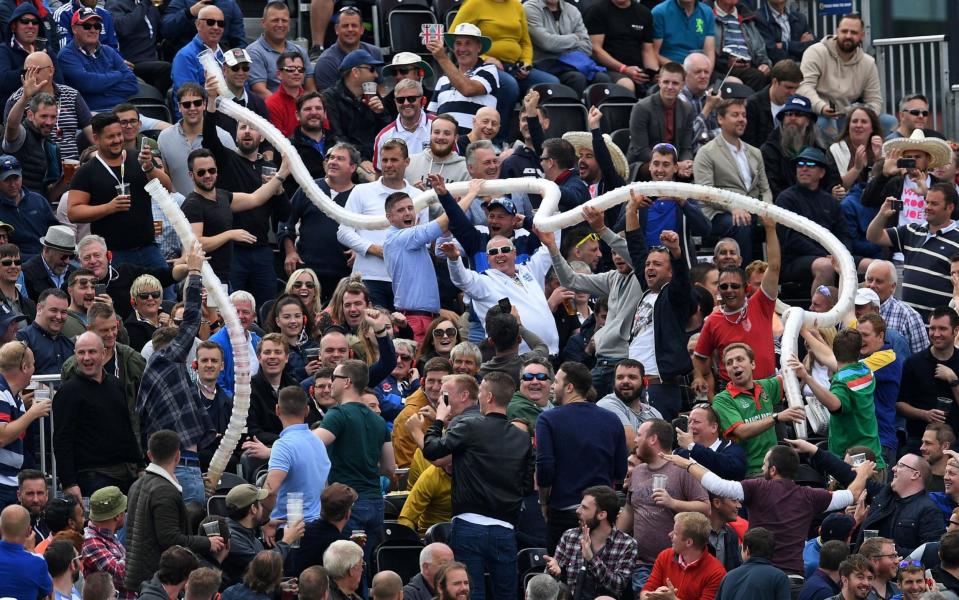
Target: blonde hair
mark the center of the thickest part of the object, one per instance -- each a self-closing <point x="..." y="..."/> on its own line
<point x="694" y="526"/>
<point x="317" y="304"/>
<point x="145" y="283"/>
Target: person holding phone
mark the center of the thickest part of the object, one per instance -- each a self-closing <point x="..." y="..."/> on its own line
<point x="290" y="318"/>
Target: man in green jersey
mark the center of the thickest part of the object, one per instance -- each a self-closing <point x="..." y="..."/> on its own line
<point x="745" y="407"/>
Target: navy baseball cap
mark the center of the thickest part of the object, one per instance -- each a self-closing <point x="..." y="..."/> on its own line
<point x="9" y="167"/>
<point x="504" y="203"/>
<point x="357" y="58"/>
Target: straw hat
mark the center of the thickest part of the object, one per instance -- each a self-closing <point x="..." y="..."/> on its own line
<point x="584" y="139"/>
<point x="939" y="151"/>
<point x="468" y="30"/>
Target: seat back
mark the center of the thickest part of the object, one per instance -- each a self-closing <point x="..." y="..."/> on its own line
<point x="216" y="505"/>
<point x="404" y="26"/>
<point x="403" y="560"/>
<point x="439" y="532"/>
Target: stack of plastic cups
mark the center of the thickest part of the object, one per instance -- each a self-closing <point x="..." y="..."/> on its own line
<point x="294" y="512"/>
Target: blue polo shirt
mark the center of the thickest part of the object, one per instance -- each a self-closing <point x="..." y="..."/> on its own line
<point x="30" y="220"/>
<point x="302" y="456"/>
<point x="681" y="34"/>
<point x="407" y="258"/>
<point x="22" y="574"/>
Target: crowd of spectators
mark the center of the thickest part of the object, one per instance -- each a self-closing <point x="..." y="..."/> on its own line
<point x="462" y="405"/>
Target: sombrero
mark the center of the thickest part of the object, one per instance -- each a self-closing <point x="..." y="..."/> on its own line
<point x="939" y="151"/>
<point x="584" y="139"/>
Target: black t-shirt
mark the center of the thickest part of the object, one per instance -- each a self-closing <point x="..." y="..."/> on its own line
<point x="626" y="29"/>
<point x="122" y="230"/>
<point x="216" y="218"/>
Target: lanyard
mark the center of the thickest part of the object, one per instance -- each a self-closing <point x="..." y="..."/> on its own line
<point x="123" y="165"/>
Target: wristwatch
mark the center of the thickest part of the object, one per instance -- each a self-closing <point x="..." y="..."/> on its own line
<point x="954" y="383"/>
<point x="775" y="417"/>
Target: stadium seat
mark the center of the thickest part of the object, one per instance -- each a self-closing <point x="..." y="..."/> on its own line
<point x="439" y="532"/>
<point x="564" y="107"/>
<point x="621" y="139"/>
<point x="403" y="560"/>
<point x="216" y="505"/>
<point x="615" y="102"/>
<point x="404" y="20"/>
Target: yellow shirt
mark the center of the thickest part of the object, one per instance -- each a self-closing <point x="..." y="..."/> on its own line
<point x="502" y="22"/>
<point x="430" y="502"/>
<point x="403" y="444"/>
<point x="418" y="466"/>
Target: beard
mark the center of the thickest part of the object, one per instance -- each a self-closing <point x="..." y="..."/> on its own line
<point x="205" y="187"/>
<point x="847" y="45"/>
<point x="441" y="151"/>
<point x="792" y="138"/>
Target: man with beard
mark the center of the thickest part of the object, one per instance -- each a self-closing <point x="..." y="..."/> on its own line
<point x="807" y="258"/>
<point x="64" y="566"/>
<point x="368" y="199"/>
<point x="93" y="443"/>
<point x="314" y="251"/>
<point x="626" y="399"/>
<point x="355" y="116"/>
<point x="740" y="320"/>
<point x="856" y="575"/>
<point x="210" y="209"/>
<point x="252" y="266"/>
<point x="651" y="506"/>
<point x="647" y="123"/>
<point x="937" y="438"/>
<point x="45" y="335"/>
<point x="578" y="445"/>
<point x="702" y="443"/>
<point x="312" y="139"/>
<point x="532" y="397"/>
<point x="236" y="71"/>
<point x="440" y="156"/>
<point x="453" y="582"/>
<point x="422" y="401"/>
<point x="32" y="495"/>
<point x="602" y="164"/>
<point x="80" y="288"/>
<point x="412" y="124"/>
<point x="837" y="73"/>
<point x="606" y="553"/>
<point x="729" y="163"/>
<point x="796" y="132"/>
<point x="881" y="552"/>
<point x="124" y="220"/>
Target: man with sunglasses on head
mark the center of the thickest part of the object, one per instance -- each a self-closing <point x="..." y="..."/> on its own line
<point x="913" y="114"/>
<point x="267" y="49"/>
<point x="281" y="105"/>
<point x="95" y="70"/>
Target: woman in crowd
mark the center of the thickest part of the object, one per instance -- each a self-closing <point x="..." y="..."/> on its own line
<point x="305" y="285"/>
<point x="441" y="336"/>
<point x="145" y="296"/>
<point x="290" y="318"/>
<point x="261" y="580"/>
<point x="859" y="146"/>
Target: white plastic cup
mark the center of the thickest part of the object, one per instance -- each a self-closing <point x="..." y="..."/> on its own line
<point x="857" y="459"/>
<point x="659" y="481"/>
<point x="123" y="189"/>
<point x="294" y="512"/>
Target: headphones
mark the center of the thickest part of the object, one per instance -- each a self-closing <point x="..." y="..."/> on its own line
<point x="133" y="302"/>
<point x="195" y="365"/>
<point x="109" y="256"/>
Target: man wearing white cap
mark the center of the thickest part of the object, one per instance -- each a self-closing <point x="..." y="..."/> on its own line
<point x="266" y="49"/>
<point x="237" y="71"/>
<point x="406" y="65"/>
<point x="867" y="303"/>
<point x="50" y="268"/>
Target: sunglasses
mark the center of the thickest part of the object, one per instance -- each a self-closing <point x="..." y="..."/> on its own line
<point x="404" y="70"/>
<point x="7" y="262"/>
<point x="404" y="357"/>
<point x="215" y="23"/>
<point x="591" y="236"/>
<point x="89" y="26"/>
<point x="350" y="10"/>
<point x="307" y="284"/>
<point x="807" y="163"/>
<point x="536" y="376"/>
<point x="240" y="67"/>
<point x="293" y="69"/>
<point x="917" y="112"/>
<point x="730" y="286"/>
<point x="338" y="376"/>
<point x="191" y="103"/>
<point x="407" y="99"/>
<point x="448" y="332"/>
<point x="202" y="172"/>
<point x="910" y="563"/>
<point x="500" y="250"/>
<point x="148" y="295"/>
<point x="33" y="22"/>
<point x="824" y="290"/>
<point x="793" y="113"/>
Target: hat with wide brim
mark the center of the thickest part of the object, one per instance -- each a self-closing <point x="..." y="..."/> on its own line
<point x="409" y="59"/>
<point x="584" y="139"/>
<point x="468" y="30"/>
<point x="939" y="151"/>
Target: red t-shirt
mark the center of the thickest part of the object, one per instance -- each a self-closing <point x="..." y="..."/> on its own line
<point x="786" y="509"/>
<point x="698" y="581"/>
<point x="282" y="109"/>
<point x="755" y="328"/>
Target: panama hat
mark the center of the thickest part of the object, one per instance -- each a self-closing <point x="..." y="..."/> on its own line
<point x="468" y="30"/>
<point x="939" y="151"/>
<point x="584" y="139"/>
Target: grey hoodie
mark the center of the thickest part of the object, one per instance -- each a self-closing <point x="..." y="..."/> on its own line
<point x="826" y="77"/>
<point x="452" y="168"/>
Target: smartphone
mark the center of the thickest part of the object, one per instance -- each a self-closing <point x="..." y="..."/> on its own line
<point x="906" y="163"/>
<point x="505" y="306"/>
<point x="446" y="398"/>
<point x="651" y="73"/>
<point x="101" y="289"/>
<point x="312" y="354"/>
<point x="897" y="205"/>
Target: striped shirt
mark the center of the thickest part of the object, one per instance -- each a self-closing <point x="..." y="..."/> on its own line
<point x="925" y="279"/>
<point x="72" y="116"/>
<point x="11" y="455"/>
<point x="733" y="36"/>
<point x="447" y="99"/>
<point x="854" y="424"/>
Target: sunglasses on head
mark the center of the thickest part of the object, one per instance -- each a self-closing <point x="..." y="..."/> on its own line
<point x="307" y="284"/>
<point x="500" y="250"/>
<point x="536" y="376"/>
<point x="240" y="67"/>
<point x="89" y="26"/>
<point x="215" y="23"/>
<point x="590" y="236"/>
<point x="917" y="112"/>
<point x="407" y="99"/>
<point x="192" y="103"/>
<point x="730" y="286"/>
<point x="910" y="563"/>
<point x="7" y="262"/>
<point x="148" y="295"/>
<point x="349" y="10"/>
<point x="202" y="172"/>
<point x="448" y="332"/>
<point x="293" y="69"/>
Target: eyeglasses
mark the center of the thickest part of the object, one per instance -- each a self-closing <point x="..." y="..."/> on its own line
<point x="89" y="26"/>
<point x="542" y="158"/>
<point x="910" y="563"/>
<point x="191" y="103"/>
<point x="407" y="99"/>
<point x="202" y="172"/>
<point x="148" y="295"/>
<point x="807" y="163"/>
<point x="448" y="332"/>
<point x="215" y="23"/>
<point x="500" y="250"/>
<point x="32" y="22"/>
<point x="536" y="376"/>
<point x="240" y="67"/>
<point x="902" y="464"/>
<point x="130" y="123"/>
<point x="730" y="286"/>
<point x="917" y="112"/>
<point x="589" y="237"/>
<point x="307" y="284"/>
<point x="9" y="262"/>
<point x="293" y="69"/>
<point x="338" y="376"/>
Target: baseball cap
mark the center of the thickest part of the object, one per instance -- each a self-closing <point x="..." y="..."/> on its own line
<point x="357" y="58"/>
<point x="9" y="167"/>
<point x="836" y="527"/>
<point x="866" y="296"/>
<point x="244" y="495"/>
<point x="83" y="15"/>
<point x="7" y="316"/>
<point x="106" y="503"/>
<point x="504" y="203"/>
<point x="236" y="56"/>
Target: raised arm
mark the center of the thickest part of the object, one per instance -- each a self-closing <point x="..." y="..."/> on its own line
<point x="876" y="232"/>
<point x="770" y="283"/>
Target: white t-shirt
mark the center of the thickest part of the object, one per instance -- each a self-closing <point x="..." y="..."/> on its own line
<point x="642" y="347"/>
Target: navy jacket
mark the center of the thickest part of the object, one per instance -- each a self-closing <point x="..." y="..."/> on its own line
<point x="138" y="42"/>
<point x="818" y="587"/>
<point x="319" y="250"/>
<point x="690" y="221"/>
<point x="36" y="278"/>
<point x="12" y="55"/>
<point x="818" y="206"/>
<point x="573" y="191"/>
<point x="756" y="578"/>
<point x="474" y="241"/>
<point x="179" y="26"/>
<point x="728" y="461"/>
<point x="51" y="352"/>
<point x="103" y="79"/>
<point x="772" y="34"/>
